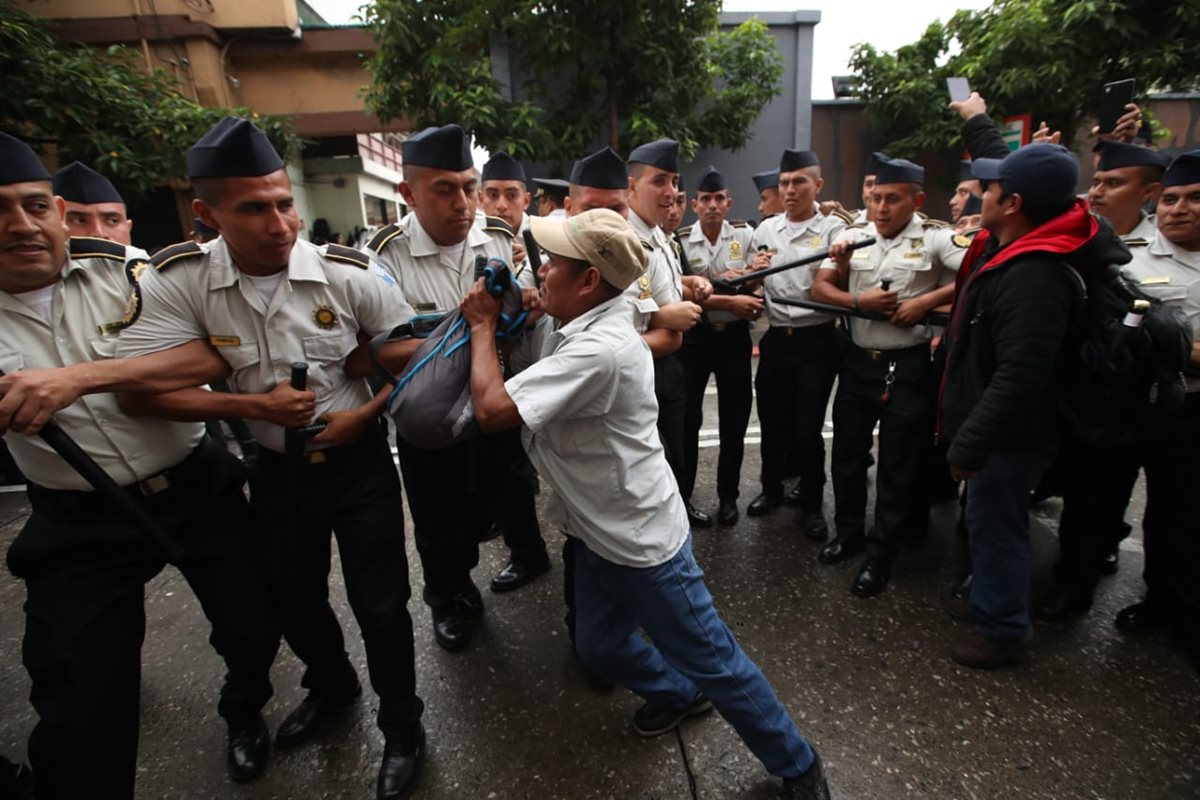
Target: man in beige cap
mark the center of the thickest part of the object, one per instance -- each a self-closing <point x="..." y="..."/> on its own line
<point x="587" y="411"/>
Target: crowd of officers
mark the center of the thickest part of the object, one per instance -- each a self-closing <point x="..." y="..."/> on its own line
<point x="120" y="348"/>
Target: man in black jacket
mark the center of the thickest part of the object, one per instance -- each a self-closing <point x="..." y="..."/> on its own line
<point x="1017" y="302"/>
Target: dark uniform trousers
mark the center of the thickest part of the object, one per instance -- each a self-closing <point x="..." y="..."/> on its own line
<point x="505" y="456"/>
<point x="354" y="492"/>
<point x="671" y="392"/>
<point x="85" y="568"/>
<point x="905" y="426"/>
<point x="721" y="349"/>
<point x="796" y="368"/>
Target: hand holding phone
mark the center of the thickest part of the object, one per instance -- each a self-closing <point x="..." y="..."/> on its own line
<point x="959" y="89"/>
<point x="1115" y="96"/>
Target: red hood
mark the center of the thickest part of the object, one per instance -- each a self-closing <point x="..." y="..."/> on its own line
<point x="1064" y="234"/>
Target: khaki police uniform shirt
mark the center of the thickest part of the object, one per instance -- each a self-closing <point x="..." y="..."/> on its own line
<point x="732" y="250"/>
<point x="661" y="283"/>
<point x="1144" y="231"/>
<point x="407" y="257"/>
<point x="90" y="299"/>
<point x="786" y="242"/>
<point x="1171" y="274"/>
<point x="315" y="316"/>
<point x="590" y="427"/>
<point x="923" y="257"/>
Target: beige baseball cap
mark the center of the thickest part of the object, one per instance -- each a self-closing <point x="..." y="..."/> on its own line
<point x="601" y="237"/>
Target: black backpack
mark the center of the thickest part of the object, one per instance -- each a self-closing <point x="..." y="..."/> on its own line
<point x="1129" y="361"/>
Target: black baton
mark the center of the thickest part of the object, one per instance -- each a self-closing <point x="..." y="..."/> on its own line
<point x="534" y="256"/>
<point x="70" y="451"/>
<point x="934" y="317"/>
<point x="733" y="285"/>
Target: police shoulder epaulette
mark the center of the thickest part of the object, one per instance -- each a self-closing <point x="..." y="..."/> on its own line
<point x="856" y="226"/>
<point x="647" y="245"/>
<point x="175" y="254"/>
<point x="1136" y="241"/>
<point x="498" y="225"/>
<point x="921" y="215"/>
<point x="928" y="223"/>
<point x="843" y="215"/>
<point x="88" y="247"/>
<point x="683" y="233"/>
<point x="348" y="255"/>
<point x="739" y="223"/>
<point x="383" y="236"/>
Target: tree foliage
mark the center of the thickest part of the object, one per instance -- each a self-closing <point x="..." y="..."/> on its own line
<point x="625" y="70"/>
<point x="102" y="108"/>
<point x="1049" y="58"/>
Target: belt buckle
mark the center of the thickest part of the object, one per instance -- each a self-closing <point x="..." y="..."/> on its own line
<point x="874" y="355"/>
<point x="788" y="330"/>
<point x="314" y="457"/>
<point x="154" y="484"/>
<point x="718" y="327"/>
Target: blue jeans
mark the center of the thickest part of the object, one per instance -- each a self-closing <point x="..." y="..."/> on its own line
<point x="693" y="650"/>
<point x="997" y="516"/>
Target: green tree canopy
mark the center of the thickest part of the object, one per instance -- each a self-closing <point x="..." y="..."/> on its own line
<point x="1049" y="58"/>
<point x="628" y="70"/>
<point x="102" y="108"/>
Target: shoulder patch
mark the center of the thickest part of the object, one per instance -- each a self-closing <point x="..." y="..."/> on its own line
<point x="175" y="254"/>
<point x="929" y="223"/>
<point x="384" y="235"/>
<point x="843" y="215"/>
<point x="347" y="255"/>
<point x="857" y="225"/>
<point x="1136" y="241"/>
<point x="739" y="223"/>
<point x="133" y="307"/>
<point x="88" y="247"/>
<point x="499" y="225"/>
<point x="683" y="233"/>
<point x="961" y="241"/>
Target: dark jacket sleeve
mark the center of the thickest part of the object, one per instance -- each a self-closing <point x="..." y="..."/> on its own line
<point x="982" y="139"/>
<point x="1029" y="317"/>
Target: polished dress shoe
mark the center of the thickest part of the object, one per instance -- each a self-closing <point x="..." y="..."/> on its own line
<point x="400" y="771"/>
<point x="841" y="548"/>
<point x="1147" y="616"/>
<point x="795" y="497"/>
<point x="727" y="513"/>
<point x="469" y="604"/>
<point x="1062" y="604"/>
<point x="872" y="578"/>
<point x="516" y="574"/>
<point x="962" y="589"/>
<point x="813" y="524"/>
<point x="763" y="504"/>
<point x="448" y="629"/>
<point x="247" y="749"/>
<point x="1111" y="562"/>
<point x="656" y="720"/>
<point x="698" y="518"/>
<point x="958" y="606"/>
<point x="311" y="715"/>
<point x="810" y="785"/>
<point x="974" y="650"/>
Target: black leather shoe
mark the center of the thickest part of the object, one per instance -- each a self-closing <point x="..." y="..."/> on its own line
<point x="400" y="771"/>
<point x="795" y="497"/>
<point x="16" y="780"/>
<point x="469" y="604"/>
<point x="494" y="531"/>
<point x="872" y="578"/>
<point x="809" y="786"/>
<point x="727" y="514"/>
<point x="1147" y="616"/>
<point x="515" y="575"/>
<point x="841" y="548"/>
<point x="1062" y="604"/>
<point x="762" y="505"/>
<point x="246" y="754"/>
<point x="698" y="518"/>
<point x="448" y="629"/>
<point x="312" y="714"/>
<point x="1111" y="562"/>
<point x="814" y="526"/>
<point x="962" y="589"/>
<point x="655" y="721"/>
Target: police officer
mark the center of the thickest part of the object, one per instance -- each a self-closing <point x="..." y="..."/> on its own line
<point x="1168" y="268"/>
<point x="1127" y="178"/>
<point x="94" y="206"/>
<point x="653" y="186"/>
<point x="720" y="344"/>
<point x="266" y="300"/>
<point x="798" y="355"/>
<point x="886" y="377"/>
<point x="505" y="197"/>
<point x="550" y="195"/>
<point x="770" y="202"/>
<point x="85" y="563"/>
<point x="968" y="187"/>
<point x="430" y="256"/>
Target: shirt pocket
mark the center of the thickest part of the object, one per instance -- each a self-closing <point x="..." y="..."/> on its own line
<point x="103" y="347"/>
<point x="327" y="348"/>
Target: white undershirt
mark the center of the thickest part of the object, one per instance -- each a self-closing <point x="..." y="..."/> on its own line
<point x="40" y="302"/>
<point x="266" y="284"/>
<point x="452" y="254"/>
